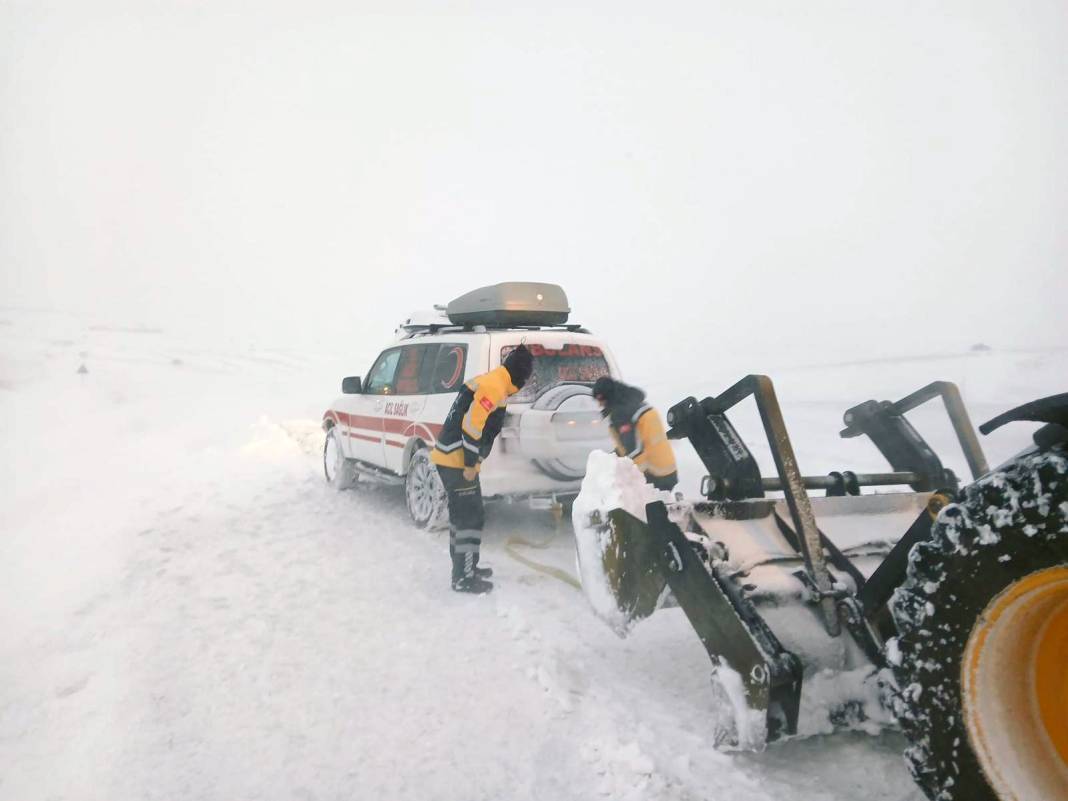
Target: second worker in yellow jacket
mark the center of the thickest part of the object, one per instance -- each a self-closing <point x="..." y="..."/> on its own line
<point x="638" y="431"/>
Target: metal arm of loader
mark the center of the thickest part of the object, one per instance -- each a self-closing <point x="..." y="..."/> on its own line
<point x="793" y="484"/>
<point x="902" y="445"/>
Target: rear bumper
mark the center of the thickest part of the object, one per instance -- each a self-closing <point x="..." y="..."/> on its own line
<point x="535" y="501"/>
<point x="508" y="476"/>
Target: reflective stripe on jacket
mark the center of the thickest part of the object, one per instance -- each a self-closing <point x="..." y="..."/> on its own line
<point x="643" y="439"/>
<point x="474" y="420"/>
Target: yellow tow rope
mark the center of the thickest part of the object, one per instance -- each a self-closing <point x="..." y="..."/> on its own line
<point x="512" y="543"/>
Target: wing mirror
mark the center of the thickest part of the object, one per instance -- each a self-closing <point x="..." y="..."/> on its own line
<point x="351" y="385"/>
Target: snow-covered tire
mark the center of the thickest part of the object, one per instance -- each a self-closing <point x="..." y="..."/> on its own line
<point x="339" y="471"/>
<point x="983" y="638"/>
<point x="424" y="493"/>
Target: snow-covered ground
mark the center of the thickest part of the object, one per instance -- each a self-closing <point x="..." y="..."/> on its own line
<point x="188" y="612"/>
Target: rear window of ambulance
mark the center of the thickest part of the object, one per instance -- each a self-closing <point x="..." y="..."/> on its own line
<point x="567" y="364"/>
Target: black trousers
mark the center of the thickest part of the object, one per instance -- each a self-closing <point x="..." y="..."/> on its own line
<point x="663" y="483"/>
<point x="467" y="516"/>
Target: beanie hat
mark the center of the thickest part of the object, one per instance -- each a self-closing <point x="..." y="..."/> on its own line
<point x="520" y="364"/>
<point x="605" y="389"/>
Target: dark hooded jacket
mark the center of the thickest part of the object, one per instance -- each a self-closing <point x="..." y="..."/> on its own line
<point x="636" y="427"/>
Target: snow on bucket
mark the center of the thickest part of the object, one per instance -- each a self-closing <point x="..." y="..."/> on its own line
<point x="611" y="554"/>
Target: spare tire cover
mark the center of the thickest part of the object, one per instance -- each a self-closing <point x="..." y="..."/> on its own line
<point x="575" y="418"/>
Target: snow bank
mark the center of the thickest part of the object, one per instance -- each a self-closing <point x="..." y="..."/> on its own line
<point x="610" y="483"/>
<point x="275" y="442"/>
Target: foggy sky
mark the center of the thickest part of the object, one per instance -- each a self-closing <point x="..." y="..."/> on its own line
<point x="701" y="177"/>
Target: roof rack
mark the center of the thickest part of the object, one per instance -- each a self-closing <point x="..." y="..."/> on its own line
<point x="510" y="306"/>
<point x="413" y="331"/>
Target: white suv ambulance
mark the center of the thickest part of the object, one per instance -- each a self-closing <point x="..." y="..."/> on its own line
<point x="384" y="424"/>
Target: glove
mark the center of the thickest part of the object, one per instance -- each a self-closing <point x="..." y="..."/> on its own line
<point x="470" y="473"/>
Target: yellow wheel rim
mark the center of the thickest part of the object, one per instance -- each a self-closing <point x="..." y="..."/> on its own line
<point x="1015" y="688"/>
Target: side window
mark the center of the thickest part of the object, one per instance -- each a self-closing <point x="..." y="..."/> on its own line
<point x="429" y="367"/>
<point x="380" y="379"/>
<point x="408" y="369"/>
<point x="443" y="368"/>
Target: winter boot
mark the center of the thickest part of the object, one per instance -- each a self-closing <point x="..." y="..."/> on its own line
<point x="464" y="577"/>
<point x="482" y="572"/>
<point x="473" y="585"/>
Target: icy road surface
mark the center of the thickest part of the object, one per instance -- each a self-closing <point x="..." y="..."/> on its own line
<point x="188" y="612"/>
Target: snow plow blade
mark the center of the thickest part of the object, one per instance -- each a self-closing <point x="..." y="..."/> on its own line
<point x="745" y="654"/>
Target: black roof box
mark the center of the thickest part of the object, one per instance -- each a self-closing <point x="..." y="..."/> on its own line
<point x="513" y="303"/>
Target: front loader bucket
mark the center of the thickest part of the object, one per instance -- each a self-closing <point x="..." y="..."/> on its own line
<point x="620" y="571"/>
<point x="626" y="566"/>
<point x="781" y="591"/>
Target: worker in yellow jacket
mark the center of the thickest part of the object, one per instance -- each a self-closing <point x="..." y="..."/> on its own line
<point x="638" y="431"/>
<point x="466" y="439"/>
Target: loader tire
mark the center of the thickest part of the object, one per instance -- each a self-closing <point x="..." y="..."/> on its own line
<point x="980" y="660"/>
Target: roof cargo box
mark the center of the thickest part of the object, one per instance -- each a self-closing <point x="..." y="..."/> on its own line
<point x="514" y="303"/>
